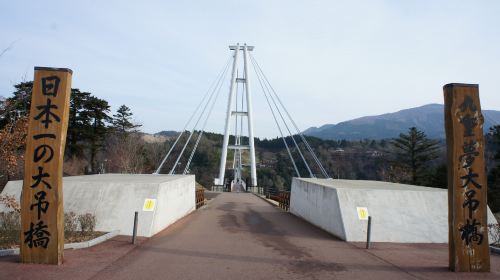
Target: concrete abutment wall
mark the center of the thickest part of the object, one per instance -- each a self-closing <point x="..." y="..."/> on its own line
<point x="401" y="213"/>
<point x="113" y="199"/>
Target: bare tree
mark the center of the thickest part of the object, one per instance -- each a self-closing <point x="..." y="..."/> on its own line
<point x="125" y="154"/>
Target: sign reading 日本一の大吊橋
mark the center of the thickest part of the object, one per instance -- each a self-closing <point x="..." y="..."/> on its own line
<point x="467" y="205"/>
<point x="42" y="215"/>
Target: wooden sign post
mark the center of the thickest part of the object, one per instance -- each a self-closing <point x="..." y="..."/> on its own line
<point x="42" y="215"/>
<point x="467" y="206"/>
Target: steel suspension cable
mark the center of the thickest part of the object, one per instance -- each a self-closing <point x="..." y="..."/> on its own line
<point x="268" y="85"/>
<point x="287" y="128"/>
<point x="203" y="129"/>
<point x="277" y="124"/>
<point x="172" y="171"/>
<point x="311" y="151"/>
<point x="189" y="120"/>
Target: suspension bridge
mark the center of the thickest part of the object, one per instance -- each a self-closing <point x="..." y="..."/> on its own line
<point x="239" y="112"/>
<point x="241" y="235"/>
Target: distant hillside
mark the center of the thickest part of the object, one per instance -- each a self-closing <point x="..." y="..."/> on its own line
<point x="428" y="118"/>
<point x="154" y="138"/>
<point x="167" y="133"/>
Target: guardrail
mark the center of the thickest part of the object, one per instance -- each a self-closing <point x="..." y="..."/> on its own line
<point x="283" y="198"/>
<point x="200" y="198"/>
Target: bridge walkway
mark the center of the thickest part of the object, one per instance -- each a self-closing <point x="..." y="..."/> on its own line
<point x="241" y="236"/>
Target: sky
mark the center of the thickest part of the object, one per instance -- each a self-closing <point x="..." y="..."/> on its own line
<point x="329" y="61"/>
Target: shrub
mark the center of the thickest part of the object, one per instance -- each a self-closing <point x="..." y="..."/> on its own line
<point x="87" y="222"/>
<point x="10" y="221"/>
<point x="10" y="224"/>
<point x="494" y="230"/>
<point x="10" y="202"/>
<point x="70" y="222"/>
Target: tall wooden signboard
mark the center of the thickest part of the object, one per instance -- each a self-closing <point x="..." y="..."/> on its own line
<point x="42" y="215"/>
<point x="467" y="205"/>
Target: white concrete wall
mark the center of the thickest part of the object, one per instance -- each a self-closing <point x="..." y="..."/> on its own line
<point x="401" y="213"/>
<point x="317" y="205"/>
<point x="113" y="199"/>
<point x="176" y="199"/>
<point x="398" y="216"/>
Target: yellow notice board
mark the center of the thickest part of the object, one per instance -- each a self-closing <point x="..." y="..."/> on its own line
<point x="149" y="204"/>
<point x="362" y="213"/>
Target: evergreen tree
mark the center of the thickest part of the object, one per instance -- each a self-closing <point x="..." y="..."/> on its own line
<point x="17" y="106"/>
<point x="79" y="122"/>
<point x="21" y="100"/>
<point x="122" y="120"/>
<point x="414" y="151"/>
<point x="96" y="110"/>
<point x="438" y="177"/>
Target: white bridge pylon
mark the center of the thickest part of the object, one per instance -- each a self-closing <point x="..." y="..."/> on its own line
<point x="246" y="94"/>
<point x="239" y="113"/>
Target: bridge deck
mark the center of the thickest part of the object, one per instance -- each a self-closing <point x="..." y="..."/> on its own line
<point x="240" y="236"/>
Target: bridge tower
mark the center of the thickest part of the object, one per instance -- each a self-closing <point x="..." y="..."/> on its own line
<point x="240" y="113"/>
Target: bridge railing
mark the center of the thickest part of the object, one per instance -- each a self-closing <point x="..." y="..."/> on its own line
<point x="283" y="198"/>
<point x="200" y="198"/>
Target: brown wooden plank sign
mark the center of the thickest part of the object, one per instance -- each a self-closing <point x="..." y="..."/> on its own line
<point x="42" y="215"/>
<point x="467" y="204"/>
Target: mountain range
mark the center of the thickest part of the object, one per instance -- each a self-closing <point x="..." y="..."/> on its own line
<point x="428" y="118"/>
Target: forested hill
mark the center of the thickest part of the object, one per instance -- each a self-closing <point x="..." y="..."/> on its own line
<point x="428" y="118"/>
<point x="365" y="159"/>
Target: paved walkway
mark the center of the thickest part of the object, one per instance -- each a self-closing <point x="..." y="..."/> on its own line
<point x="240" y="236"/>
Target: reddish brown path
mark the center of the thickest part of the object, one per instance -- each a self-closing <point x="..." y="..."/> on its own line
<point x="240" y="236"/>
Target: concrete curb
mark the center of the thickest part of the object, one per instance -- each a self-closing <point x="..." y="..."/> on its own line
<point x="495" y="250"/>
<point x="79" y="245"/>
<point x="90" y="243"/>
<point x="9" y="252"/>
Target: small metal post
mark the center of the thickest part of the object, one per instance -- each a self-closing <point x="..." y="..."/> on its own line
<point x="369" y="232"/>
<point x="134" y="235"/>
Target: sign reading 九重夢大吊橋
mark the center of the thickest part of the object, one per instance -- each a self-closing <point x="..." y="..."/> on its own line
<point x="467" y="205"/>
<point x="42" y="215"/>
